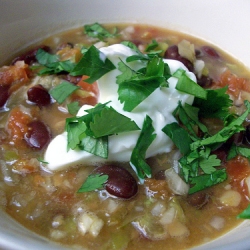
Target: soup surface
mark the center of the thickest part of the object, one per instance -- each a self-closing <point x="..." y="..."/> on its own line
<point x="190" y="194"/>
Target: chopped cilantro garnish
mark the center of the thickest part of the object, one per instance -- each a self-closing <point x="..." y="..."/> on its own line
<point x="179" y="136"/>
<point x="93" y="64"/>
<point x="73" y="108"/>
<point x="153" y="45"/>
<point x="224" y="134"/>
<point x="62" y="91"/>
<point x="198" y="164"/>
<point x="133" y="47"/>
<point x="51" y="63"/>
<point x="245" y="214"/>
<point x="186" y="85"/>
<point x="127" y="73"/>
<point x="137" y="160"/>
<point x="238" y="150"/>
<point x="44" y="57"/>
<point x="207" y="107"/>
<point x="98" y="31"/>
<point x="188" y="116"/>
<point x="89" y="132"/>
<point x="207" y="180"/>
<point x="140" y="85"/>
<point x="42" y="160"/>
<point x="117" y="123"/>
<point x="95" y="146"/>
<point x="93" y="182"/>
<point x="76" y="132"/>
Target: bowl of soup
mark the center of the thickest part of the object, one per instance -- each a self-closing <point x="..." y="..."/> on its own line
<point x="124" y="125"/>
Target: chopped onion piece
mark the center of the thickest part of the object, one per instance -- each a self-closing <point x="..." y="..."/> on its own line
<point x="198" y="67"/>
<point x="168" y="216"/>
<point x="89" y="223"/>
<point x="175" y="183"/>
<point x="217" y="222"/>
<point x="247" y="181"/>
<point x="178" y="229"/>
<point x="231" y="198"/>
<point x="186" y="50"/>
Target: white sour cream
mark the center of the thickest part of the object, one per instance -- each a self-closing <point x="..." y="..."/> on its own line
<point x="159" y="106"/>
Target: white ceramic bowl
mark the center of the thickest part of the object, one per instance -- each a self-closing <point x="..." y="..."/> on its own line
<point x="224" y="23"/>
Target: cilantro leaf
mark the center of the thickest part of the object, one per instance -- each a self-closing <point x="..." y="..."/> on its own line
<point x="186" y="85"/>
<point x="89" y="132"/>
<point x="207" y="180"/>
<point x="245" y="214"/>
<point x="44" y="57"/>
<point x="51" y="63"/>
<point x="76" y="132"/>
<point x="238" y="150"/>
<point x="137" y="160"/>
<point x="138" y="56"/>
<point x="193" y="114"/>
<point x="189" y="164"/>
<point x="95" y="146"/>
<point x="127" y="72"/>
<point x="132" y="46"/>
<point x="233" y="152"/>
<point x="40" y="159"/>
<point x="73" y="108"/>
<point x="153" y="45"/>
<point x="179" y="136"/>
<point x="136" y="89"/>
<point x="207" y="162"/>
<point x="62" y="91"/>
<point x="98" y="31"/>
<point x="188" y="117"/>
<point x="93" y="64"/>
<point x="224" y="134"/>
<point x="93" y="182"/>
<point x="216" y="105"/>
<point x="118" y="123"/>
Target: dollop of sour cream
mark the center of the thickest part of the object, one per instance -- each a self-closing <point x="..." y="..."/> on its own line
<point x="159" y="106"/>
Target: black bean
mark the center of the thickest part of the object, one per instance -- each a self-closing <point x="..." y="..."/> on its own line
<point x="120" y="182"/>
<point x="4" y="94"/>
<point x="222" y="151"/>
<point x="205" y="81"/>
<point x="198" y="200"/>
<point x="39" y="95"/>
<point x="173" y="53"/>
<point x="29" y="57"/>
<point x="247" y="135"/>
<point x="211" y="52"/>
<point x="38" y="135"/>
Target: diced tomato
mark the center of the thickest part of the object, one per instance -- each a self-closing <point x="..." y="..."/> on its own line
<point x="238" y="169"/>
<point x="235" y="84"/>
<point x="93" y="87"/>
<point x="14" y="74"/>
<point x="17" y="126"/>
<point x="88" y="94"/>
<point x="11" y="79"/>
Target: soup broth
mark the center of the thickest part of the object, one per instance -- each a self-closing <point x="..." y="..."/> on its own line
<point x="153" y="214"/>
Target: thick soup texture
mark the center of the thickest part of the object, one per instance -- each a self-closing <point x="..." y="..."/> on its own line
<point x="184" y="197"/>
